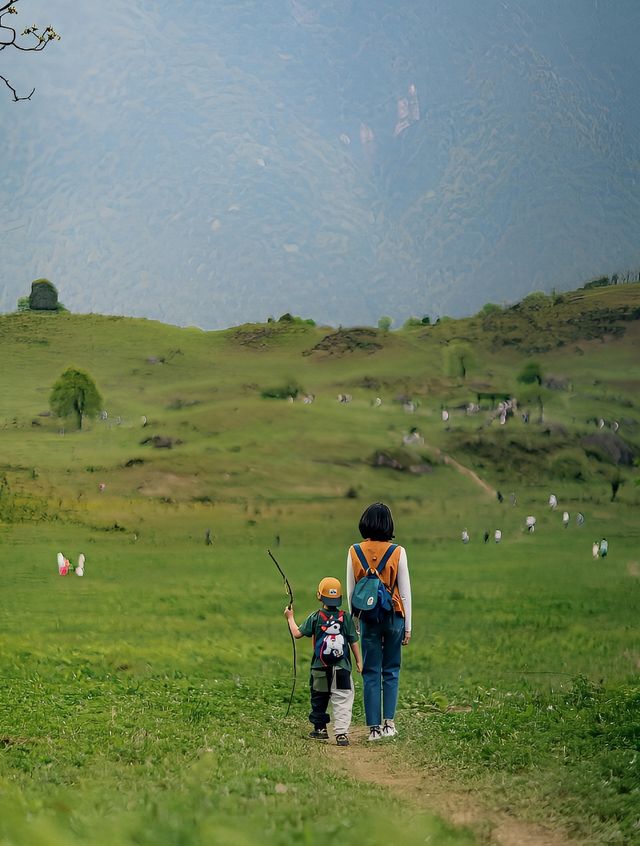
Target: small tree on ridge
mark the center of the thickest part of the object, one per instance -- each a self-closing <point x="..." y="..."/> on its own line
<point x="75" y="393"/>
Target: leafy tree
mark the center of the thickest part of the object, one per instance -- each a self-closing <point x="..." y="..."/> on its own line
<point x="535" y="300"/>
<point x="385" y="323"/>
<point x="75" y="393"/>
<point x="412" y="323"/>
<point x="23" y="304"/>
<point x="536" y="394"/>
<point x="292" y="318"/>
<point x="600" y="282"/>
<point x="530" y="374"/>
<point x="489" y="308"/>
<point x="459" y="358"/>
<point x="30" y="40"/>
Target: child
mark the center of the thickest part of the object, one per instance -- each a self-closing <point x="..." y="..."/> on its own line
<point x="333" y="633"/>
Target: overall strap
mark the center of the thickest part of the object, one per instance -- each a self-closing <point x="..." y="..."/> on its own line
<point x="383" y="561"/>
<point x="391" y="549"/>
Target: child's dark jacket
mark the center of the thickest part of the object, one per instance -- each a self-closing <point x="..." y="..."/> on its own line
<point x="311" y="628"/>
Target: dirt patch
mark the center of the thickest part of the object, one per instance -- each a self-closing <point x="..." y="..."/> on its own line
<point x="8" y="740"/>
<point x="161" y="442"/>
<point x="465" y="471"/>
<point x="402" y="460"/>
<point x="429" y="790"/>
<point x="170" y="485"/>
<point x="633" y="569"/>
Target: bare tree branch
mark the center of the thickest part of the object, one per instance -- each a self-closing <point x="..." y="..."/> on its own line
<point x="10" y="38"/>
<point x="13" y="90"/>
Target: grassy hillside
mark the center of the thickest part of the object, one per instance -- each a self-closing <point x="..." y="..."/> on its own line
<point x="153" y="691"/>
<point x="204" y="390"/>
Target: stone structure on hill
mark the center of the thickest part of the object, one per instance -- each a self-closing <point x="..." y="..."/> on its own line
<point x="44" y="296"/>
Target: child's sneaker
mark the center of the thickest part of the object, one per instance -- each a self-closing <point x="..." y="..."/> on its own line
<point x="389" y="729"/>
<point x="375" y="733"/>
<point x="342" y="740"/>
<point x="319" y="733"/>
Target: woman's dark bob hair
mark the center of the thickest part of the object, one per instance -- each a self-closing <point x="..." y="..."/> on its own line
<point x="376" y="523"/>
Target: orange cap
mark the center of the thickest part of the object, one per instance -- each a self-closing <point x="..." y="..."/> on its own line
<point x="330" y="592"/>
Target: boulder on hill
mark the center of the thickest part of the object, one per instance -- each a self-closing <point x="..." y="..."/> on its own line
<point x="44" y="296"/>
<point x="608" y="446"/>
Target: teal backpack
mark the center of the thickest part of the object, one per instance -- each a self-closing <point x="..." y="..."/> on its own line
<point x="370" y="600"/>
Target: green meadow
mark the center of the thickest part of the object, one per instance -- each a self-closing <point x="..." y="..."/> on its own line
<point x="145" y="703"/>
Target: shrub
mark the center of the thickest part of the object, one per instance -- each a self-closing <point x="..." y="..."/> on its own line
<point x="297" y="321"/>
<point x="568" y="467"/>
<point x="600" y="282"/>
<point x="413" y="322"/>
<point x="291" y="388"/>
<point x="536" y="299"/>
<point x="531" y="373"/>
<point x="489" y="308"/>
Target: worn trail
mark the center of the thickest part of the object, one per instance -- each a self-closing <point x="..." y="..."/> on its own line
<point x="431" y="791"/>
<point x="462" y="469"/>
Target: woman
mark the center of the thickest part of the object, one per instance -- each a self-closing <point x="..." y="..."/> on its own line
<point x="382" y="641"/>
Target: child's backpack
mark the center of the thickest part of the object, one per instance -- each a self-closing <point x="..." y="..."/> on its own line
<point x="370" y="600"/>
<point x="330" y="644"/>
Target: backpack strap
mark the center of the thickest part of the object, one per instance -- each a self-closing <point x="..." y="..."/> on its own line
<point x="361" y="556"/>
<point x="383" y="561"/>
<point x="391" y="549"/>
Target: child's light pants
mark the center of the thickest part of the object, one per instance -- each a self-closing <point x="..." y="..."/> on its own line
<point x="331" y="686"/>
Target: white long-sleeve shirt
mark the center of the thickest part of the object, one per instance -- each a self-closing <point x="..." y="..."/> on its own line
<point x="403" y="584"/>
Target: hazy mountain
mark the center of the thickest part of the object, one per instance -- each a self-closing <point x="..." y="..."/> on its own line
<point x="213" y="163"/>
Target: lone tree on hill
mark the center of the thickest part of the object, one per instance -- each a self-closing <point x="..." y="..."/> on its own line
<point x="34" y="41"/>
<point x="534" y="393"/>
<point x="458" y="359"/>
<point x="75" y="393"/>
<point x="530" y="374"/>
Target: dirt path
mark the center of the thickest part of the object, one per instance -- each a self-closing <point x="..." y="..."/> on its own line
<point x="465" y="471"/>
<point x="428" y="790"/>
